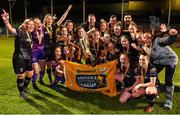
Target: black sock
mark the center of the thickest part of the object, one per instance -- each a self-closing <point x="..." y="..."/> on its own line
<point x="26" y="81"/>
<point x="49" y="74"/>
<point x="151" y="99"/>
<point x="56" y="80"/>
<point x="151" y="104"/>
<point x="34" y="78"/>
<point x="20" y="84"/>
<point x="41" y="75"/>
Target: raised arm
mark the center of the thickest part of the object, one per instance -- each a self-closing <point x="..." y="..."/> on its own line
<point x="59" y="22"/>
<point x="168" y="39"/>
<point x="5" y="18"/>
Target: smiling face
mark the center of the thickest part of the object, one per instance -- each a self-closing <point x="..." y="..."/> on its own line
<point x="38" y="24"/>
<point x="106" y="38"/>
<point x="48" y="20"/>
<point x="66" y="50"/>
<point x="81" y="32"/>
<point x="58" y="53"/>
<point x="127" y="19"/>
<point x="92" y="20"/>
<point x="96" y="36"/>
<point x="143" y="61"/>
<point x="132" y="29"/>
<point x="69" y="26"/>
<point x="30" y="26"/>
<point x="140" y="38"/>
<point x="111" y="47"/>
<point x="117" y="30"/>
<point x="124" y="42"/>
<point x="103" y="27"/>
<point x="124" y="59"/>
<point x="64" y="31"/>
<point x="147" y="38"/>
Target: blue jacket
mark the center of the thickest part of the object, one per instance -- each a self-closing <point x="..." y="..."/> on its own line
<point x="162" y="52"/>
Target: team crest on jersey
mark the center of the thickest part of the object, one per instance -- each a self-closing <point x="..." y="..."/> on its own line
<point x="152" y="70"/>
<point x="21" y="69"/>
<point x="46" y="33"/>
<point x="28" y="40"/>
<point x="128" y="76"/>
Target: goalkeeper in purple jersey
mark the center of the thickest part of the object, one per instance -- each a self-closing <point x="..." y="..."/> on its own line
<point x="38" y="54"/>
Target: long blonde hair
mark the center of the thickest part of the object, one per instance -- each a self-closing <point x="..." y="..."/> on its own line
<point x="45" y="18"/>
<point x="22" y="26"/>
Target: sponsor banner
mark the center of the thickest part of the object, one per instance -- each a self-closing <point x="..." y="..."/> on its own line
<point x="85" y="78"/>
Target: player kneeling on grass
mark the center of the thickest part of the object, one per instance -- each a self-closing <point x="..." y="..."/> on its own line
<point x="22" y="61"/>
<point x="57" y="65"/>
<point x="128" y="76"/>
<point x="148" y="81"/>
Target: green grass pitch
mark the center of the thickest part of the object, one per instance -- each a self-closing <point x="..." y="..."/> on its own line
<point x="49" y="101"/>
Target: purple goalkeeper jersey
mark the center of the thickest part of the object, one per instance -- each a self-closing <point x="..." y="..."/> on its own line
<point x="38" y="42"/>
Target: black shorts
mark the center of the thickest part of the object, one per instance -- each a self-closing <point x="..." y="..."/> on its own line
<point x="49" y="52"/>
<point x="22" y="65"/>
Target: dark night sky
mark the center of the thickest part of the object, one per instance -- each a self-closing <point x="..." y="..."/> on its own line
<point x="38" y="8"/>
<point x="35" y="7"/>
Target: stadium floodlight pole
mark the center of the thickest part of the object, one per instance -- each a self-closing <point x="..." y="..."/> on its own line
<point x="10" y="9"/>
<point x="10" y="12"/>
<point x="84" y="11"/>
<point x="169" y="14"/>
<point x="25" y="8"/>
<point x="52" y="7"/>
<point x="122" y="10"/>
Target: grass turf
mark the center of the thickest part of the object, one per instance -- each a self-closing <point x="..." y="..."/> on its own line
<point x="47" y="100"/>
